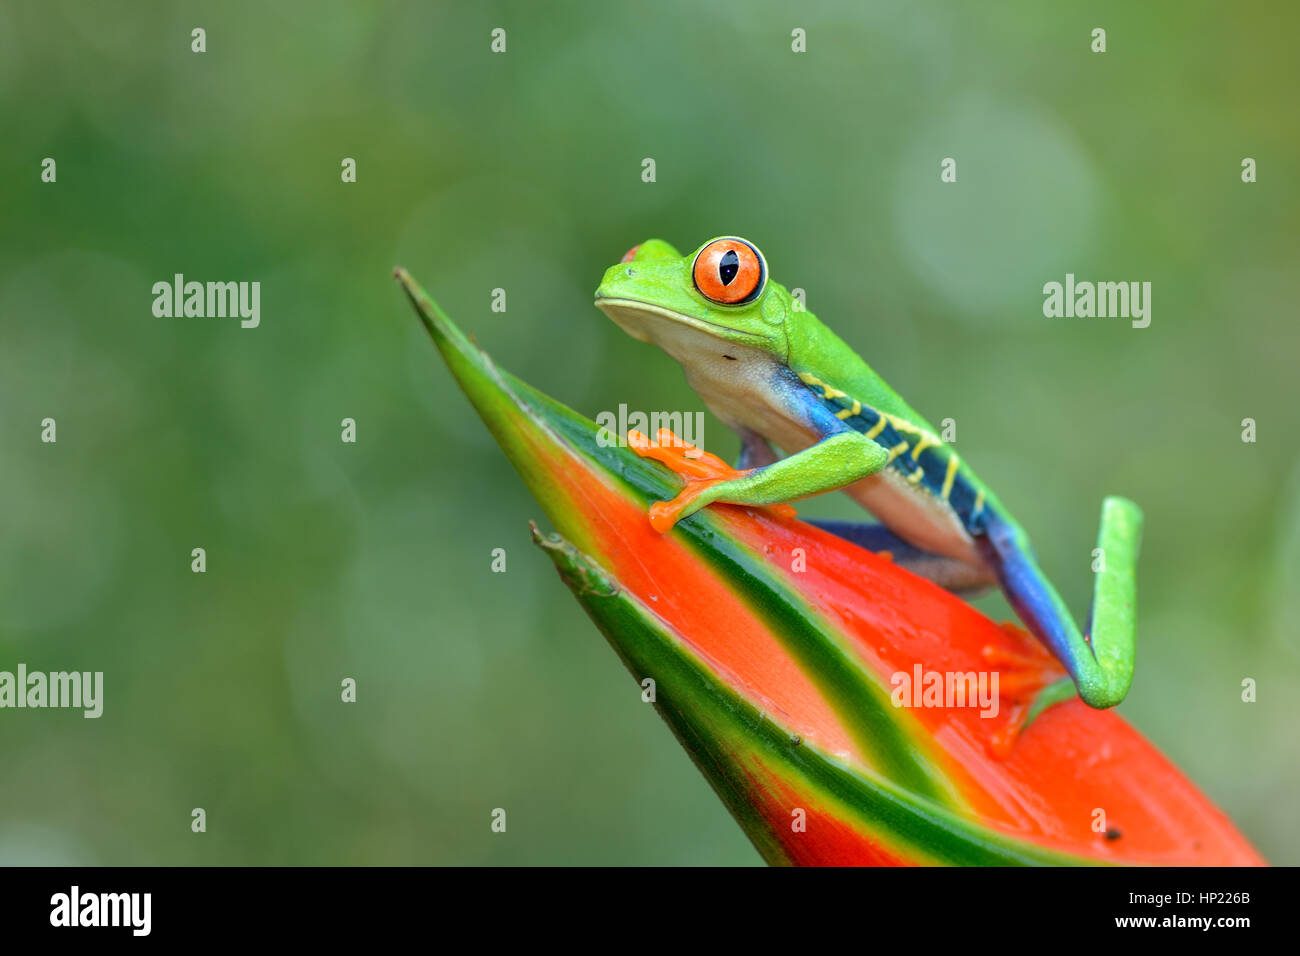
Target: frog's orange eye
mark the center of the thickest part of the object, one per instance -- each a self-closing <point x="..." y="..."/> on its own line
<point x="729" y="271"/>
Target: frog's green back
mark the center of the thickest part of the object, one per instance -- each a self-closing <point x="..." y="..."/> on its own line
<point x="816" y="350"/>
<point x="819" y="356"/>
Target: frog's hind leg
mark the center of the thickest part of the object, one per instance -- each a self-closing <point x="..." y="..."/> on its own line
<point x="1100" y="658"/>
<point x="959" y="577"/>
<point x="755" y="450"/>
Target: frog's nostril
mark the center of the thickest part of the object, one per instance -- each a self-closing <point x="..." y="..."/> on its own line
<point x="630" y="254"/>
<point x="631" y="272"/>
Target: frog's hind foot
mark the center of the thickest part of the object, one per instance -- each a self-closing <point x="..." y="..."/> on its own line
<point x="1030" y="681"/>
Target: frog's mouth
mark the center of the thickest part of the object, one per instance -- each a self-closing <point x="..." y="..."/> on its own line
<point x="642" y="320"/>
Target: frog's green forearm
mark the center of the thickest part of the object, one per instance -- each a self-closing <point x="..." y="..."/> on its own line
<point x="831" y="463"/>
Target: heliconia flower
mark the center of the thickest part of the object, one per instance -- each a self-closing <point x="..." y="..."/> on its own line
<point x="797" y="671"/>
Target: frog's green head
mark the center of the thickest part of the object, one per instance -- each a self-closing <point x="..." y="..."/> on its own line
<point x="718" y="294"/>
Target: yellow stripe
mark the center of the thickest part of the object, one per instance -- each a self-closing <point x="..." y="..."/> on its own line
<point x="850" y="412"/>
<point x="927" y="441"/>
<point x="947" y="479"/>
<point x="831" y="392"/>
<point x="896" y="451"/>
<point x="828" y="391"/>
<point x="903" y="425"/>
<point x="916" y="476"/>
<point x="979" y="503"/>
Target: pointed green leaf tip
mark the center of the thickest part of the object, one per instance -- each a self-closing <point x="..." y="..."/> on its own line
<point x="752" y="759"/>
<point x="580" y="574"/>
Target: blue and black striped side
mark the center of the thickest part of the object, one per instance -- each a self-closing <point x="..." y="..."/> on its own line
<point x="915" y="454"/>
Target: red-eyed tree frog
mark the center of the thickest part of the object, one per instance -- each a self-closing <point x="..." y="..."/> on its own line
<point x="776" y="375"/>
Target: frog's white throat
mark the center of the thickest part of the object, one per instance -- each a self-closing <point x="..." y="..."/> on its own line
<point x="683" y="337"/>
<point x="733" y="379"/>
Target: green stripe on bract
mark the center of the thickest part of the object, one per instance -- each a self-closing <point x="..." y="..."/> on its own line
<point x="718" y="726"/>
<point x="852" y="693"/>
<point x="862" y="703"/>
<point x="876" y="727"/>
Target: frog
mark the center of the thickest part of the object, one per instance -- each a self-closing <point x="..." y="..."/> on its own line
<point x="777" y="376"/>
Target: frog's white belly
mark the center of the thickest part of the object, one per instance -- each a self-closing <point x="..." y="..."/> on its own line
<point x="911" y="512"/>
<point x="915" y="515"/>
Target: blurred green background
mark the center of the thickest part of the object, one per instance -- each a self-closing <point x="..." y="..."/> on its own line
<point x="523" y="171"/>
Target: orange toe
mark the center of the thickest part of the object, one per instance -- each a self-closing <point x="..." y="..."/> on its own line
<point x="681" y="456"/>
<point x="1022" y="675"/>
<point x="698" y="469"/>
<point x="663" y="516"/>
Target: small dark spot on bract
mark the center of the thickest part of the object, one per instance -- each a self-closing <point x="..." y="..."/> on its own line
<point x="1113" y="834"/>
<point x="726" y="356"/>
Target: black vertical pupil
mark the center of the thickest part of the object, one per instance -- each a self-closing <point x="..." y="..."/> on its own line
<point x="728" y="266"/>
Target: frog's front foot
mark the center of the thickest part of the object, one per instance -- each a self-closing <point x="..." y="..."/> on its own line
<point x="1029" y="682"/>
<point x="702" y="473"/>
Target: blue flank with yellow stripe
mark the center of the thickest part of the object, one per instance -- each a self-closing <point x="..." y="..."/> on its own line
<point x="917" y="455"/>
